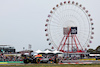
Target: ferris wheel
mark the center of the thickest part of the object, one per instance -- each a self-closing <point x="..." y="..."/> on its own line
<point x="69" y="27"/>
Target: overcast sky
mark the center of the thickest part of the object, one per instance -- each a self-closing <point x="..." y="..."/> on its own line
<point x="22" y="22"/>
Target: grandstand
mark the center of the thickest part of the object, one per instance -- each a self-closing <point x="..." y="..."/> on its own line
<point x="7" y="49"/>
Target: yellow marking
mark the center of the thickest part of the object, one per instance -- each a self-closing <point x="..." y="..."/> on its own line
<point x="3" y="63"/>
<point x="89" y="59"/>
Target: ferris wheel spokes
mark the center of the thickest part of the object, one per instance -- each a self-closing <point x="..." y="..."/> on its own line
<point x="67" y="15"/>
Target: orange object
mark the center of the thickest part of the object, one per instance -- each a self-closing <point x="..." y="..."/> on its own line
<point x="38" y="56"/>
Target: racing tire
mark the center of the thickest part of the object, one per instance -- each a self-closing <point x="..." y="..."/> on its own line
<point x="38" y="60"/>
<point x="26" y="61"/>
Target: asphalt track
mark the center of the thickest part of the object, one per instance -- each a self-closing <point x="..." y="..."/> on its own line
<point x="79" y="62"/>
<point x="64" y="62"/>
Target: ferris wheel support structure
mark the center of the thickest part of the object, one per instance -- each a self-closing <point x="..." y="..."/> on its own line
<point x="73" y="39"/>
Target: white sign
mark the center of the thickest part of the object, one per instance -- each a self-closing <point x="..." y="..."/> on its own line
<point x="94" y="54"/>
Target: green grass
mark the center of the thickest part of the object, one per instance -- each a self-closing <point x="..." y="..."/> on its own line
<point x="53" y="65"/>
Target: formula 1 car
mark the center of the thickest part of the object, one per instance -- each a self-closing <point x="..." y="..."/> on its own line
<point x="40" y="59"/>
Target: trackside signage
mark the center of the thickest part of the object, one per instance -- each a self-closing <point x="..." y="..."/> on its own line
<point x="94" y="54"/>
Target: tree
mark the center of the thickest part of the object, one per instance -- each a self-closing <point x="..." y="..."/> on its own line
<point x="91" y="51"/>
<point x="97" y="49"/>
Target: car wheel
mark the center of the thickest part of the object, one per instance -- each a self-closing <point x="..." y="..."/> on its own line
<point x="26" y="61"/>
<point x="38" y="60"/>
